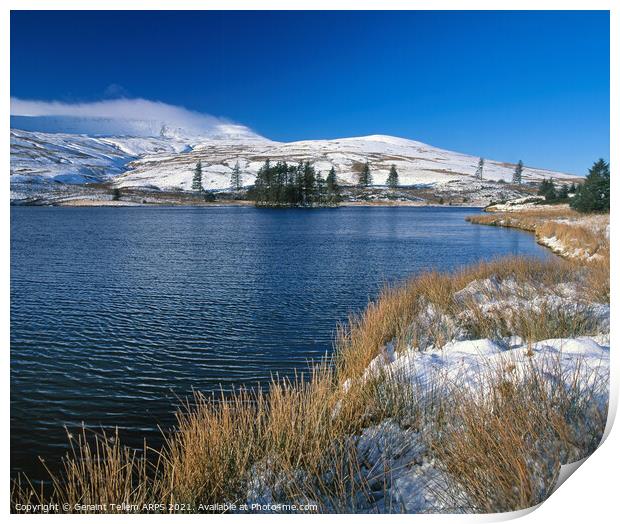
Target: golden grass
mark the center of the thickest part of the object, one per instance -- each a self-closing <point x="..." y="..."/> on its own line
<point x="582" y="235"/>
<point x="98" y="470"/>
<point x="505" y="449"/>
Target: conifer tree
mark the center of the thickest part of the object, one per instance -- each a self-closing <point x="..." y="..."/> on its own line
<point x="392" y="179"/>
<point x="593" y="194"/>
<point x="309" y="184"/>
<point x="235" y="177"/>
<point x="547" y="189"/>
<point x="365" y="178"/>
<point x="480" y="168"/>
<point x="563" y="192"/>
<point x="320" y="189"/>
<point x="517" y="176"/>
<point x="197" y="180"/>
<point x="261" y="184"/>
<point x="331" y="180"/>
<point x="333" y="190"/>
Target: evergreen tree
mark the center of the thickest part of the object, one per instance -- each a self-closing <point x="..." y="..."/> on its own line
<point x="517" y="176"/>
<point x="261" y="184"/>
<point x="365" y="178"/>
<point x="392" y="179"/>
<point x="480" y="168"/>
<point x="593" y="194"/>
<point x="547" y="189"/>
<point x="551" y="192"/>
<point x="333" y="190"/>
<point x="320" y="189"/>
<point x="308" y="184"/>
<point x="573" y="188"/>
<point x="197" y="180"/>
<point x="235" y="177"/>
<point x="563" y="192"/>
<point x="298" y="174"/>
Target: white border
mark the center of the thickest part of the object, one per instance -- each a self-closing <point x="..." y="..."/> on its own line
<point x="590" y="496"/>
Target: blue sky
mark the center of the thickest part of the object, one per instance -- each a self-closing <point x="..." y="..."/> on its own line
<point x="503" y="85"/>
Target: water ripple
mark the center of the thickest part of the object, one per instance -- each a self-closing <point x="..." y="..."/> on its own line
<point x="118" y="313"/>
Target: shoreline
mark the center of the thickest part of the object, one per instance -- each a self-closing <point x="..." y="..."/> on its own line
<point x="244" y="203"/>
<point x="558" y="228"/>
<point x="351" y="196"/>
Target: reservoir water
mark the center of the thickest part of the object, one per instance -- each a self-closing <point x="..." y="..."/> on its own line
<point x="117" y="313"/>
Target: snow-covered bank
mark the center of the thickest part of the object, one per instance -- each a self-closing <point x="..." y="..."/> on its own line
<point x="418" y="482"/>
<point x="397" y="467"/>
<point x="471" y="363"/>
<point x="567" y="233"/>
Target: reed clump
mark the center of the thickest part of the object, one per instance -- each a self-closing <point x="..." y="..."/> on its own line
<point x="505" y="448"/>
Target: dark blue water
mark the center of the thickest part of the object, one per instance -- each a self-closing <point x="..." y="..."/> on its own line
<point x="116" y="313"/>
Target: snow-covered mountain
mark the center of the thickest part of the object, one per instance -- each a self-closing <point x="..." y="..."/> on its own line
<point x="151" y="154"/>
<point x="76" y="159"/>
<point x="417" y="163"/>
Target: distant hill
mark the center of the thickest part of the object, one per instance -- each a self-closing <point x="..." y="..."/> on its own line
<point x="148" y="153"/>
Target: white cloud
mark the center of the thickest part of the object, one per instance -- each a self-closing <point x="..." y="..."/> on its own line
<point x="126" y="109"/>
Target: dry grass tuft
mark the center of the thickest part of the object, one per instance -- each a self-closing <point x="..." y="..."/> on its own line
<point x="98" y="470"/>
<point x="505" y="451"/>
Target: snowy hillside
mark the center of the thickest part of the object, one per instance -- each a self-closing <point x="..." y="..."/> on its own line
<point x="416" y="163"/>
<point x="167" y="159"/>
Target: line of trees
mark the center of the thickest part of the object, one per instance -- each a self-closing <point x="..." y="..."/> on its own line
<point x="284" y="184"/>
<point x="591" y="196"/>
<point x="296" y="185"/>
<point x="554" y="194"/>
